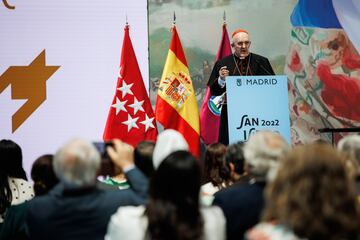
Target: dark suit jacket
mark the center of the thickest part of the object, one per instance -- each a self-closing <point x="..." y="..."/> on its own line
<point x="257" y="65"/>
<point x="242" y="204"/>
<point x="81" y="213"/>
<point x="13" y="226"/>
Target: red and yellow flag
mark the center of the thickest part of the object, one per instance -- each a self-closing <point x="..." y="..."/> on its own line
<point x="176" y="106"/>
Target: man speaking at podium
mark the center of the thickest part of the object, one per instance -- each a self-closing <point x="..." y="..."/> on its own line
<point x="241" y="63"/>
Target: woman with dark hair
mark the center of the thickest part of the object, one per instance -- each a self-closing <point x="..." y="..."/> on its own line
<point x="235" y="160"/>
<point x="312" y="197"/>
<point x="14" y="188"/>
<point x="173" y="210"/>
<point x="143" y="153"/>
<point x="42" y="173"/>
<point x="216" y="172"/>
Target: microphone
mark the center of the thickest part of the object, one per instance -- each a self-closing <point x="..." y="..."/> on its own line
<point x="264" y="68"/>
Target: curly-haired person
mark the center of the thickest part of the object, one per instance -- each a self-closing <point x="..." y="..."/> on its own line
<point x="312" y="197"/>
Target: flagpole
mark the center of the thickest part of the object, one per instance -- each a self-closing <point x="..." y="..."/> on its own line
<point x="174" y="22"/>
<point x="126" y="21"/>
<point x="224" y="19"/>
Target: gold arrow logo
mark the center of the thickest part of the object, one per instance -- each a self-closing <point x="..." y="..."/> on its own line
<point x="28" y="83"/>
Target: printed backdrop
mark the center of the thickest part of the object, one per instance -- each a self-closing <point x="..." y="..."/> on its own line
<point x="82" y="41"/>
<point x="199" y="23"/>
<point x="313" y="42"/>
<point x="323" y="67"/>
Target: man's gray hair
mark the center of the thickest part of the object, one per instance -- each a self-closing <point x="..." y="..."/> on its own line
<point x="77" y="163"/>
<point x="350" y="145"/>
<point x="263" y="153"/>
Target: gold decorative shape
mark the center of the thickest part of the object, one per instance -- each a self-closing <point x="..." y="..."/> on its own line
<point x="27" y="83"/>
<point x="8" y="6"/>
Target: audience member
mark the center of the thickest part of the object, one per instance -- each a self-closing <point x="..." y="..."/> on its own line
<point x="322" y="141"/>
<point x="243" y="203"/>
<point x="76" y="208"/>
<point x="14" y="187"/>
<point x="110" y="176"/>
<point x="167" y="142"/>
<point x="42" y="173"/>
<point x="216" y="173"/>
<point x="143" y="157"/>
<point x="235" y="160"/>
<point x="115" y="181"/>
<point x="313" y="197"/>
<point x="173" y="210"/>
<point x="350" y="146"/>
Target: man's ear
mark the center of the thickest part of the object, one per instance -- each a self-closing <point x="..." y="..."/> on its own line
<point x="232" y="44"/>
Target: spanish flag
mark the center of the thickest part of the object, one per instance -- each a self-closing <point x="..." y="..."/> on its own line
<point x="176" y="106"/>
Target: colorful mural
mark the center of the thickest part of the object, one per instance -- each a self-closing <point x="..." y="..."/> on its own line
<point x="303" y="39"/>
<point x="199" y="23"/>
<point x="323" y="68"/>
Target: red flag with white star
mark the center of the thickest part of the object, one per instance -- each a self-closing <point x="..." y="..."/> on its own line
<point x="131" y="117"/>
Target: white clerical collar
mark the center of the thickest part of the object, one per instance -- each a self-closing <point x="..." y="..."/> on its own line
<point x="241" y="58"/>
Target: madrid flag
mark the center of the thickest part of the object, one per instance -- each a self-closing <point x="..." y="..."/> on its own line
<point x="176" y="106"/>
<point x="209" y="113"/>
<point x="131" y="117"/>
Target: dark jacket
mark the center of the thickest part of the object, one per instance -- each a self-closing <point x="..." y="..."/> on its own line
<point x="81" y="213"/>
<point x="242" y="204"/>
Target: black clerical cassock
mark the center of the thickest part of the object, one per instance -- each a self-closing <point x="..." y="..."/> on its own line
<point x="253" y="64"/>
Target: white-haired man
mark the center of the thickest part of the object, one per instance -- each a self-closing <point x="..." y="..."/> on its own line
<point x="76" y="208"/>
<point x="241" y="63"/>
<point x="242" y="203"/>
<point x="350" y="145"/>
